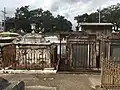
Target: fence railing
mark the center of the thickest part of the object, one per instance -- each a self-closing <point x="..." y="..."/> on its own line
<point x="110" y="74"/>
<point x="29" y="56"/>
<point x="8" y="53"/>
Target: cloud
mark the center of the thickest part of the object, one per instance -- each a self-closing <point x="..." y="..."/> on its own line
<point x="67" y="15"/>
<point x="71" y="1"/>
<point x="54" y="6"/>
<point x="68" y="8"/>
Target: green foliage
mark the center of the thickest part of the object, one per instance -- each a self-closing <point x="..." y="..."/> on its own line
<point x="43" y="19"/>
<point x="110" y="14"/>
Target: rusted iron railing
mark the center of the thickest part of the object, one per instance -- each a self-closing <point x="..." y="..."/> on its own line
<point x="29" y="56"/>
<point x="8" y="55"/>
<point x="110" y="74"/>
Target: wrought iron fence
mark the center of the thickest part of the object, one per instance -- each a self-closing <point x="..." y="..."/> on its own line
<point x="110" y="74"/>
<point x="29" y="56"/>
<point x="8" y="54"/>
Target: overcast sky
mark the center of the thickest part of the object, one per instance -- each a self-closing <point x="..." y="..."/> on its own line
<point x="68" y="8"/>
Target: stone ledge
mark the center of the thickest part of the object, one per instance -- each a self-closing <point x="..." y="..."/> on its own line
<point x="29" y="71"/>
<point x="16" y="86"/>
<point x="40" y="88"/>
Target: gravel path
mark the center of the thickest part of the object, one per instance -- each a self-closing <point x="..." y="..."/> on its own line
<point x="56" y="81"/>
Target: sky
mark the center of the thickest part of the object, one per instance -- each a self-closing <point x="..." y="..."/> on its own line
<point x="67" y="8"/>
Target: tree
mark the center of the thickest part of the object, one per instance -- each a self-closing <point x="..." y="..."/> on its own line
<point x="47" y="21"/>
<point x="81" y="18"/>
<point x="22" y="19"/>
<point x="62" y="24"/>
<point x="36" y="18"/>
<point x="110" y="14"/>
<point x="43" y="20"/>
<point x="10" y="23"/>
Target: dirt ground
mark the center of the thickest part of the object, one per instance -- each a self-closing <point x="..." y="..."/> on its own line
<point x="56" y="81"/>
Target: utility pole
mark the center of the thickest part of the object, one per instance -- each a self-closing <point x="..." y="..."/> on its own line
<point x="99" y="14"/>
<point x="4" y="14"/>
